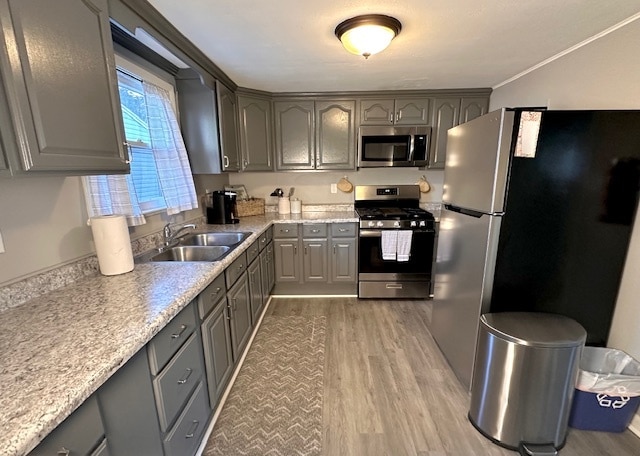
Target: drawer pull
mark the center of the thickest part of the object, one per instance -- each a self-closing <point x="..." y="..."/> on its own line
<point x="343" y="230"/>
<point x="192" y="431"/>
<point x="240" y="267"/>
<point x="184" y="379"/>
<point x="315" y="231"/>
<point x="183" y="328"/>
<point x="63" y="452"/>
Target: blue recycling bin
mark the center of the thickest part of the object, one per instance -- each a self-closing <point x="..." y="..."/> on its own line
<point x="607" y="392"/>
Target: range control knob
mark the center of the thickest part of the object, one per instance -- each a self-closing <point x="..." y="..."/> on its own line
<point x="423" y="223"/>
<point x="379" y="224"/>
<point x="413" y="223"/>
<point x="371" y="224"/>
<point x="396" y="224"/>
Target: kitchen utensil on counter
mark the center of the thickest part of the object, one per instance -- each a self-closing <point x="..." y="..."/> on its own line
<point x="291" y="190"/>
<point x="277" y="192"/>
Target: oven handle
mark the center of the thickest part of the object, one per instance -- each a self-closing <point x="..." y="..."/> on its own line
<point x="378" y="233"/>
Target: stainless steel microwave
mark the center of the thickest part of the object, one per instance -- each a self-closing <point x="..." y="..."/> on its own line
<point x="393" y="146"/>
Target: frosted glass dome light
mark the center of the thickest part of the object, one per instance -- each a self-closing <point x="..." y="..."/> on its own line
<point x="369" y="34"/>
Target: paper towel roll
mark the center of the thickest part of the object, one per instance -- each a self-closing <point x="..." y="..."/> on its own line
<point x="113" y="246"/>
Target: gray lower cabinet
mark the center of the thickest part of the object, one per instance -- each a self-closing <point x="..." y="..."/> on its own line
<point x="447" y="113"/>
<point x="129" y="411"/>
<point x="227" y="115"/>
<point x="255" y="289"/>
<point x="218" y="355"/>
<point x="399" y="111"/>
<point x="255" y="128"/>
<point x="239" y="308"/>
<point x="58" y="75"/>
<point x="329" y="256"/>
<point x="267" y="271"/>
<point x="316" y="134"/>
<point x="81" y="433"/>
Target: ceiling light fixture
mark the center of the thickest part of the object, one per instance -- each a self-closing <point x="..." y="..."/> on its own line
<point x="369" y="34"/>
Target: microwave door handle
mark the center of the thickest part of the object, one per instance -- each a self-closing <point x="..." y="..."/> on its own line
<point x="412" y="145"/>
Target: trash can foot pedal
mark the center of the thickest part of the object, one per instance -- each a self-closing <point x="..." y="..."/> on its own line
<point x="532" y="449"/>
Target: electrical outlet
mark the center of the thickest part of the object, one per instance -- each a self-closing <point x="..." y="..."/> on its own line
<point x="1" y="244"/>
<point x="334" y="188"/>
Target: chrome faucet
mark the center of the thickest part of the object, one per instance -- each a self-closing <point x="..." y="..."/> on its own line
<point x="170" y="235"/>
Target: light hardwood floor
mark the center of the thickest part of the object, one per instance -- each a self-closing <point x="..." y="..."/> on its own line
<point x="389" y="391"/>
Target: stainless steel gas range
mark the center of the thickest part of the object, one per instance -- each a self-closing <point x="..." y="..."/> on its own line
<point x="396" y="242"/>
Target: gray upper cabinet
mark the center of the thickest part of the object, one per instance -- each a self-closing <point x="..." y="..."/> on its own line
<point x="335" y="128"/>
<point x="255" y="126"/>
<point x="447" y="113"/>
<point x="315" y="134"/>
<point x="227" y="114"/>
<point x="472" y="107"/>
<point x="294" y="134"/>
<point x="399" y="111"/>
<point x="59" y="79"/>
<point x="199" y="125"/>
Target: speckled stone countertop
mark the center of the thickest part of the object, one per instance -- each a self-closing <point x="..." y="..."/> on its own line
<point x="56" y="350"/>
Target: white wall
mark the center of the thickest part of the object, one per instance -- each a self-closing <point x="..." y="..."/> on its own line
<point x="601" y="75"/>
<point x="315" y="187"/>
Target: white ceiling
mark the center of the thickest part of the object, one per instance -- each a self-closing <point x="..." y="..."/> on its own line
<point x="290" y="46"/>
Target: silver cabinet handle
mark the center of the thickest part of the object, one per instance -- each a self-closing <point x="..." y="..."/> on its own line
<point x="295" y="250"/>
<point x="246" y="163"/>
<point x="343" y="230"/>
<point x="240" y="266"/>
<point x="305" y="250"/>
<point x="183" y="328"/>
<point x="63" y="452"/>
<point x="315" y="231"/>
<point x="192" y="431"/>
<point x="228" y="312"/>
<point x="184" y="379"/>
<point x="396" y="286"/>
<point x="215" y="293"/>
<point x="398" y="116"/>
<point x="334" y="249"/>
<point x="390" y="117"/>
<point x="226" y="161"/>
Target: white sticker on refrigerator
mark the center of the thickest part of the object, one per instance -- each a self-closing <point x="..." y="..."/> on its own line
<point x="528" y="130"/>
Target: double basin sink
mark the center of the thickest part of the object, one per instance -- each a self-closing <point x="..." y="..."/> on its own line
<point x="209" y="246"/>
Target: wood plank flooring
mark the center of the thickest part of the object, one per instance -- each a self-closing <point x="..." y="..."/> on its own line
<point x="389" y="391"/>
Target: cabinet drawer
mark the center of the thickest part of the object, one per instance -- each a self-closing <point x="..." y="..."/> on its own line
<point x="285" y="230"/>
<point x="184" y="438"/>
<point x="80" y="433"/>
<point x="210" y="296"/>
<point x="235" y="269"/>
<point x="343" y="230"/>
<point x="176" y="382"/>
<point x="314" y="230"/>
<point x="253" y="251"/>
<point x="263" y="240"/>
<point x="170" y="339"/>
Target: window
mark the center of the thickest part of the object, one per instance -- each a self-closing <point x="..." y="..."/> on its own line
<point x="160" y="177"/>
<point x="144" y="171"/>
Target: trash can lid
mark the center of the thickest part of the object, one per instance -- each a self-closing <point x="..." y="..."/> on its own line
<point x="535" y="329"/>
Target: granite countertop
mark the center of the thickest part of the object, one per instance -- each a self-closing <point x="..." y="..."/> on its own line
<point x="58" y="349"/>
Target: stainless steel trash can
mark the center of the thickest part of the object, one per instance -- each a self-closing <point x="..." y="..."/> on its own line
<point x="524" y="374"/>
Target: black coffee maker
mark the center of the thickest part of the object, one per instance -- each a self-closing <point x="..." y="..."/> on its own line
<point x="222" y="208"/>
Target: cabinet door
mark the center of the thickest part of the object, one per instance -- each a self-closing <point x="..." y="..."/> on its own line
<point x="239" y="302"/>
<point x="227" y="113"/>
<point x="412" y="111"/>
<point x="255" y="290"/>
<point x="316" y="267"/>
<point x="218" y="357"/>
<point x="271" y="270"/>
<point x="377" y="112"/>
<point x="129" y="410"/>
<point x="199" y="125"/>
<point x="335" y="134"/>
<point x="287" y="268"/>
<point x="295" y="140"/>
<point x="446" y="113"/>
<point x="343" y="260"/>
<point x="80" y="433"/>
<point x="472" y="107"/>
<point x="255" y="133"/>
<point x="59" y="74"/>
<point x="264" y="275"/>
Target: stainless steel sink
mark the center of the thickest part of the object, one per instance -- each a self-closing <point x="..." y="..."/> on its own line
<point x="193" y="253"/>
<point x="215" y="239"/>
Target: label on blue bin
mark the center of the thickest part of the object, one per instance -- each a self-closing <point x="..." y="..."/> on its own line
<point x="615" y="402"/>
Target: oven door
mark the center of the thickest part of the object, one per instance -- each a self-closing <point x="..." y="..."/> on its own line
<point x="391" y="278"/>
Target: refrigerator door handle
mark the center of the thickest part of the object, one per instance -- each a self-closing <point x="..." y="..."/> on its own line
<point x="461" y="210"/>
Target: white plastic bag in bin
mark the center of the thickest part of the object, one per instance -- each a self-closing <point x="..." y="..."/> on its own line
<point x="608" y="371"/>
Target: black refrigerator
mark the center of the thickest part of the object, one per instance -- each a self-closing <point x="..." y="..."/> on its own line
<point x="538" y="209"/>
